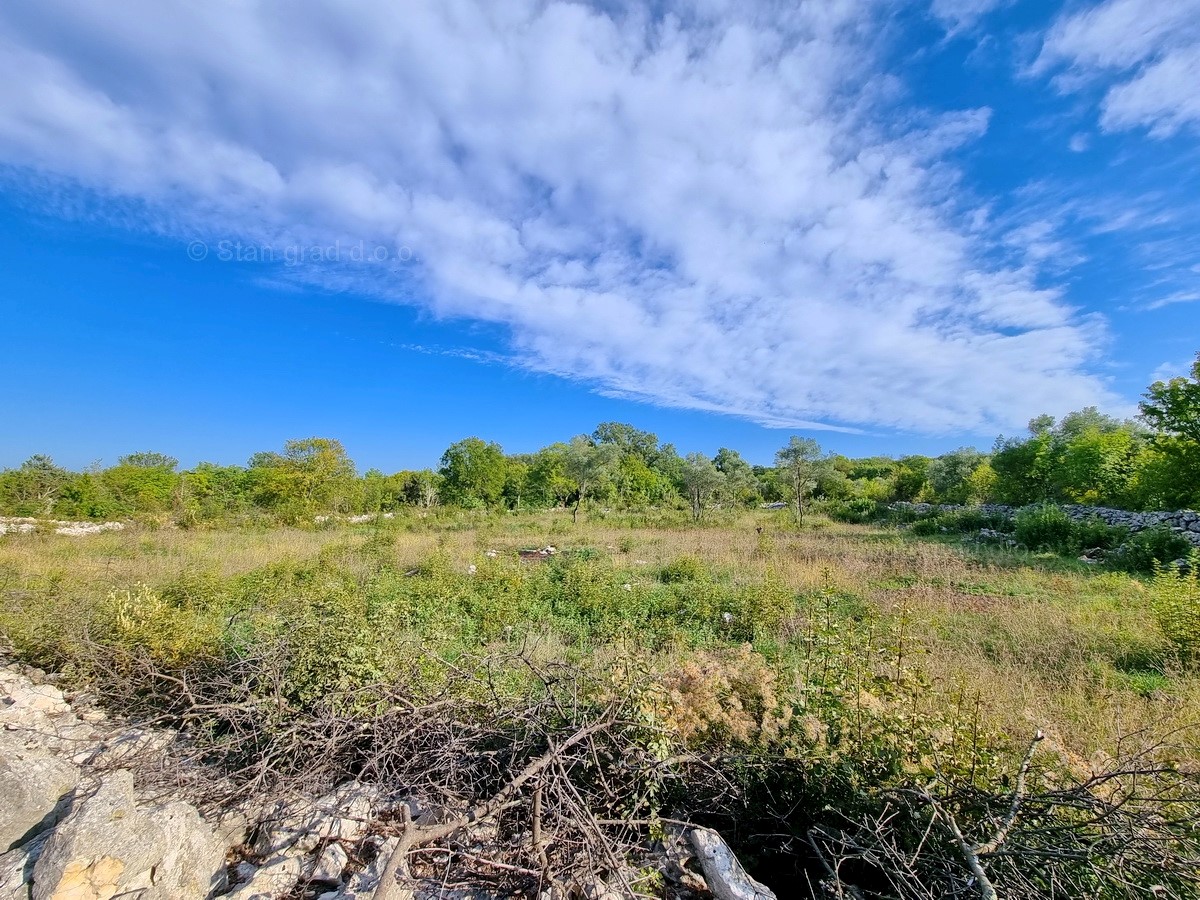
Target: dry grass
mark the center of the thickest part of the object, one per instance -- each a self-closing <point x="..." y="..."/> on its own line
<point x="1036" y="643"/>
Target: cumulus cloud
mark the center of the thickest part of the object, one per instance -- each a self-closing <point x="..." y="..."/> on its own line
<point x="1150" y="47"/>
<point x="716" y="206"/>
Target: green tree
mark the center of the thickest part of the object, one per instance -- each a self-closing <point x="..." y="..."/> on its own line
<point x="211" y="492"/>
<point x="801" y="466"/>
<point x="34" y="487"/>
<point x="1172" y="408"/>
<point x="421" y="488"/>
<point x="739" y="480"/>
<point x="950" y="474"/>
<point x="702" y="480"/>
<point x="143" y="482"/>
<point x="1087" y="457"/>
<point x="321" y="471"/>
<point x="587" y="465"/>
<point x="149" y="459"/>
<point x="909" y="477"/>
<point x="473" y="473"/>
<point x="1024" y="467"/>
<point x="628" y="440"/>
<point x="516" y="480"/>
<point x="547" y="483"/>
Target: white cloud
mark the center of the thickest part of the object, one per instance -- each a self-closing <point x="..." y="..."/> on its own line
<point x="1169" y="370"/>
<point x="713" y="209"/>
<point x="1173" y="298"/>
<point x="957" y="15"/>
<point x="1150" y="47"/>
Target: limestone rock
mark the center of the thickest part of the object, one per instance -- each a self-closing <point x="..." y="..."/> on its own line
<point x="330" y="864"/>
<point x="301" y="824"/>
<point x="32" y="782"/>
<point x="274" y="879"/>
<point x="16" y="868"/>
<point x="109" y="845"/>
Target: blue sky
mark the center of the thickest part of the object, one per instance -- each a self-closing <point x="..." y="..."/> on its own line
<point x="897" y="227"/>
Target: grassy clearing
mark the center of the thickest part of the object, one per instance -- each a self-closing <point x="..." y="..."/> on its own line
<point x="844" y="659"/>
<point x="1040" y="640"/>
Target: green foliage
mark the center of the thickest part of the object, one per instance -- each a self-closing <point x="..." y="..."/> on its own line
<point x="473" y="473"/>
<point x="1046" y="527"/>
<point x="953" y="521"/>
<point x="34" y="487"/>
<point x="740" y="484"/>
<point x="858" y="512"/>
<point x="1087" y="458"/>
<point x="684" y="569"/>
<point x="149" y="459"/>
<point x="954" y="479"/>
<point x="1149" y="548"/>
<point x="1173" y="407"/>
<point x="1175" y="597"/>
<point x="588" y="466"/>
<point x="1096" y="533"/>
<point x="801" y="467"/>
<point x="702" y="481"/>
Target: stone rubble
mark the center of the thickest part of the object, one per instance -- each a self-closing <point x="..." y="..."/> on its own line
<point x="25" y="525"/>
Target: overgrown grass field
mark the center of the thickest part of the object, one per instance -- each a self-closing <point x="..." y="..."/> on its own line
<point x="862" y="657"/>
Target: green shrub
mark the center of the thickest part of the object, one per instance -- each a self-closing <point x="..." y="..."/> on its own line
<point x="1148" y="549"/>
<point x="857" y="512"/>
<point x="685" y="568"/>
<point x="1046" y="527"/>
<point x="1095" y="532"/>
<point x="1176" y="602"/>
<point x="928" y="527"/>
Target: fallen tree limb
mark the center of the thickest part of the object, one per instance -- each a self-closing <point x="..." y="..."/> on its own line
<point x="725" y="876"/>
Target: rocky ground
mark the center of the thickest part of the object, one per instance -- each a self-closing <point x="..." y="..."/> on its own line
<point x="25" y="525"/>
<point x="77" y="823"/>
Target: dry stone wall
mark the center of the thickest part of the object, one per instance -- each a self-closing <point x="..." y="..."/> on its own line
<point x="1185" y="522"/>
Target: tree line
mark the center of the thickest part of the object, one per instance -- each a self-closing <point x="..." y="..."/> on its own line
<point x="1087" y="457"/>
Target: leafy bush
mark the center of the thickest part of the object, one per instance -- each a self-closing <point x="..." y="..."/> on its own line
<point x="929" y="527"/>
<point x="857" y="512"/>
<point x="1176" y="601"/>
<point x="685" y="568"/>
<point x="1095" y="532"/>
<point x="1046" y="527"/>
<point x="972" y="518"/>
<point x="1148" y="549"/>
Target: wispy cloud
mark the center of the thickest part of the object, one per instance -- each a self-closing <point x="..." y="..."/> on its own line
<point x="1150" y="47"/>
<point x="717" y="207"/>
<point x="958" y="15"/>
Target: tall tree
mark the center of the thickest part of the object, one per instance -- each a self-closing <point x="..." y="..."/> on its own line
<point x="800" y="464"/>
<point x="739" y="480"/>
<point x="702" y="480"/>
<point x="1172" y="408"/>
<point x="320" y="470"/>
<point x="586" y="464"/>
<point x="473" y="472"/>
<point x="149" y="459"/>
